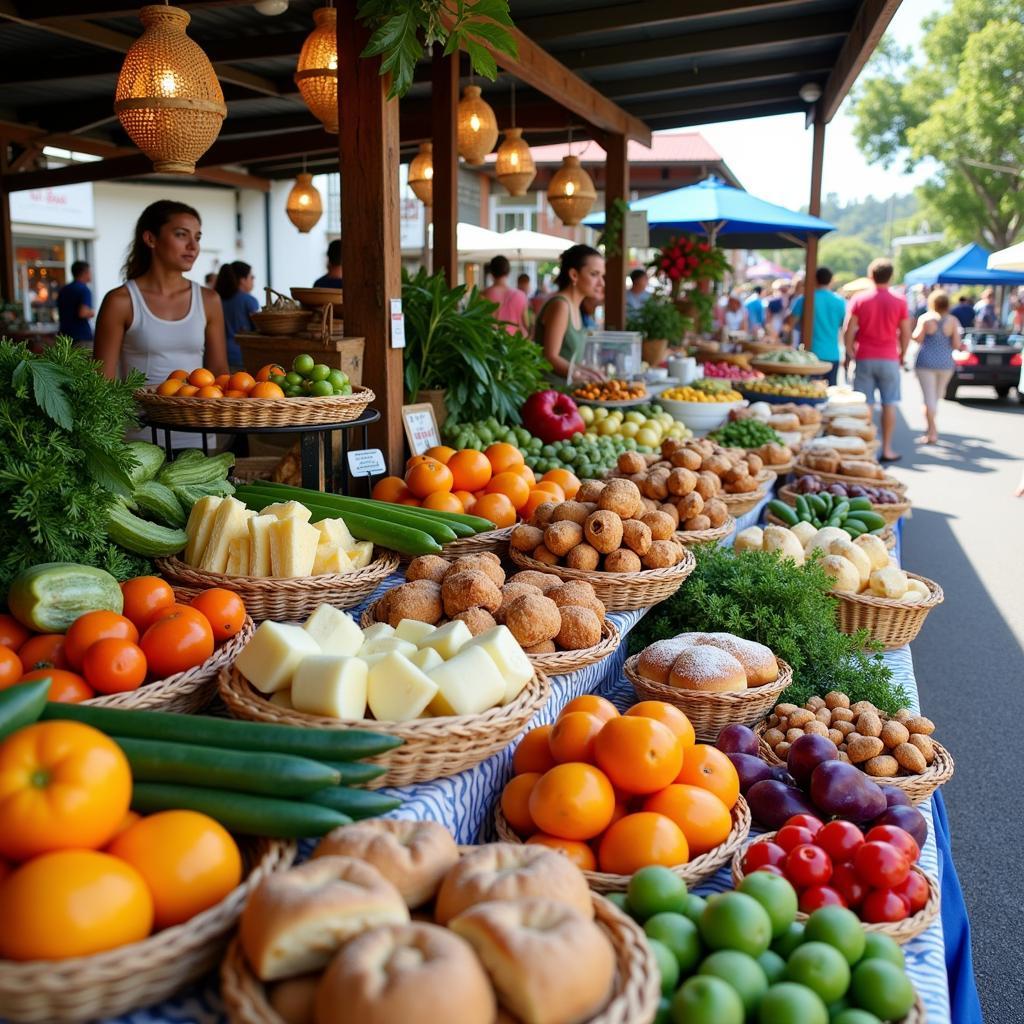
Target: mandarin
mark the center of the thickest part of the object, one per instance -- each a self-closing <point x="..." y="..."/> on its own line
<point x="572" y="737"/>
<point x="572" y="801"/>
<point x="579" y="853"/>
<point x="592" y="704"/>
<point x="515" y="802"/>
<point x="503" y="456"/>
<point x="704" y="819"/>
<point x="569" y="482"/>
<point x="639" y="840"/>
<point x="471" y="470"/>
<point x="513" y="486"/>
<point x="639" y="755"/>
<point x="534" y="752"/>
<point x="428" y="478"/>
<point x="497" y="508"/>
<point x="707" y="767"/>
<point x="667" y="714"/>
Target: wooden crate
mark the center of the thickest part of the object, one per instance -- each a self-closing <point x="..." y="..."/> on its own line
<point x="345" y="354"/>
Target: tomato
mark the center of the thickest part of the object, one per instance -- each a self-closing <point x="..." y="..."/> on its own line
<point x="808" y="821"/>
<point x="177" y="642"/>
<point x="144" y="598"/>
<point x="899" y="838"/>
<point x="915" y="890"/>
<point x="881" y="865"/>
<point x="114" y="666"/>
<point x="818" y="896"/>
<point x="761" y="853"/>
<point x="639" y="755"/>
<point x="43" y="651"/>
<point x="12" y="633"/>
<point x="65" y="687"/>
<point x="11" y="668"/>
<point x="790" y="836"/>
<point x="808" y="865"/>
<point x="772" y="869"/>
<point x="93" y="626"/>
<point x="62" y="785"/>
<point x="882" y="905"/>
<point x="847" y="883"/>
<point x="224" y="610"/>
<point x="840" y="840"/>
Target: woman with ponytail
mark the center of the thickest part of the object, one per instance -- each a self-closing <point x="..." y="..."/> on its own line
<point x="234" y="286"/>
<point x="511" y="301"/>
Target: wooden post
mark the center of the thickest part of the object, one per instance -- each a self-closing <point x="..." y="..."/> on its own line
<point x="814" y="208"/>
<point x="616" y="187"/>
<point x="369" y="160"/>
<point x="6" y="237"/>
<point x="444" y="104"/>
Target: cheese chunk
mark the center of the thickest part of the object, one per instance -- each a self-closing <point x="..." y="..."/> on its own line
<point x="361" y="554"/>
<point x="426" y="659"/>
<point x="293" y="546"/>
<point x="376" y="630"/>
<point x="330" y="558"/>
<point x="386" y="644"/>
<point x="508" y="655"/>
<point x="414" y="631"/>
<point x="282" y="699"/>
<point x="468" y="684"/>
<point x="330" y="686"/>
<point x="238" y="557"/>
<point x="270" y="658"/>
<point x="200" y="526"/>
<point x="449" y="639"/>
<point x="287" y="510"/>
<point x="259" y="545"/>
<point x="397" y="691"/>
<point x="335" y="531"/>
<point x="229" y="522"/>
<point x="335" y="631"/>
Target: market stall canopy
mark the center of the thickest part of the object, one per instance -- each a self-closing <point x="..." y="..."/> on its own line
<point x="520" y="245"/>
<point x="967" y="265"/>
<point x="764" y="270"/>
<point x="1008" y="259"/>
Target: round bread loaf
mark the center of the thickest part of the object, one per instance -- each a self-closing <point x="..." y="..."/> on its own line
<point x="758" y="661"/>
<point x="709" y="669"/>
<point x="655" y="662"/>
<point x="293" y="998"/>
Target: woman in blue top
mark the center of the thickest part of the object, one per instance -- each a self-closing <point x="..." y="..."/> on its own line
<point x="234" y="286"/>
<point x="938" y="335"/>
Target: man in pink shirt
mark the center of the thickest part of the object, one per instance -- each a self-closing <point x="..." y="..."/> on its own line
<point x="877" y="334"/>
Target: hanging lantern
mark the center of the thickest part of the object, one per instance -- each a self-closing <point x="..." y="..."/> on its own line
<point x="168" y="98"/>
<point x="304" y="207"/>
<point x="317" y="72"/>
<point x="515" y="166"/>
<point x="478" y="127"/>
<point x="571" y="192"/>
<point x="421" y="174"/>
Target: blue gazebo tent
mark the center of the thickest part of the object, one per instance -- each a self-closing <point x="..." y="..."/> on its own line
<point x="966" y="265"/>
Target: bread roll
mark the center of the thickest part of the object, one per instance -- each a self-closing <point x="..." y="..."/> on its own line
<point x="708" y="669"/>
<point x="414" y="856"/>
<point x="843" y="571"/>
<point x="655" y="662"/>
<point x="405" y="974"/>
<point x="508" y="871"/>
<point x="294" y="921"/>
<point x="758" y="661"/>
<point x="293" y="999"/>
<point x="548" y="963"/>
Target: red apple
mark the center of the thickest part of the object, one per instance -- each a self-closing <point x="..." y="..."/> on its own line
<point x="552" y="416"/>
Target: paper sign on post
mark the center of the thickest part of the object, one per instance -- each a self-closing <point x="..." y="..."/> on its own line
<point x="367" y="462"/>
<point x="397" y="324"/>
<point x="420" y="427"/>
<point x="635" y="232"/>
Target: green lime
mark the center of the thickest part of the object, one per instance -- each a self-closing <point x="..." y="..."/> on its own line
<point x="345" y="389"/>
<point x="293" y="379"/>
<point x="694" y="907"/>
<point x="789" y="940"/>
<point x="323" y="389"/>
<point x="337" y="378"/>
<point x="664" y="1014"/>
<point x="839" y="927"/>
<point x="836" y="1008"/>
<point x="773" y="966"/>
<point x="320" y="371"/>
<point x="292" y="392"/>
<point x="820" y="967"/>
<point x="303" y="364"/>
<point x="655" y="890"/>
<point x="882" y="947"/>
<point x="743" y="972"/>
<point x="777" y="897"/>
<point x="704" y="999"/>
<point x="279" y="379"/>
<point x="789" y="1003"/>
<point x="735" y="920"/>
<point x="851" y="1015"/>
<point x="619" y="899"/>
<point x="668" y="966"/>
<point x="680" y="934"/>
<point x="882" y="988"/>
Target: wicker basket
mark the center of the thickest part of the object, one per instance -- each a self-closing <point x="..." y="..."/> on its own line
<point x="709" y="713"/>
<point x="620" y="591"/>
<point x="287" y="600"/>
<point x="890" y="513"/>
<point x="740" y="504"/>
<point x="892" y="623"/>
<point x="280" y="322"/>
<point x="887" y="535"/>
<point x="770" y="366"/>
<point x="900" y="931"/>
<point x="890" y="483"/>
<point x="491" y="540"/>
<point x="129" y="977"/>
<point x="713" y="536"/>
<point x="433" y="748"/>
<point x="634" y="998"/>
<point x="693" y="873"/>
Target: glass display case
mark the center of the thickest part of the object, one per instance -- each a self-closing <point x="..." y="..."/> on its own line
<point x="617" y="355"/>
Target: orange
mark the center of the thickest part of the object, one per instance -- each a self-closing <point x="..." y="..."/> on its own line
<point x="201" y="378"/>
<point x="176" y="642"/>
<point x="704" y="819"/>
<point x="222" y="380"/>
<point x="579" y="853"/>
<point x="178" y="375"/>
<point x="525" y="472"/>
<point x="390" y="489"/>
<point x="187" y="391"/>
<point x="12" y="633"/>
<point x="270" y="370"/>
<point x="515" y="802"/>
<point x="410" y="500"/>
<point x="232" y="393"/>
<point x="639" y="755"/>
<point x="211" y="391"/>
<point x="638" y="840"/>
<point x="592" y="704"/>
<point x="11" y="668"/>
<point x="573" y="735"/>
<point x="669" y="715"/>
<point x="415" y="460"/>
<point x="536" y="498"/>
<point x="65" y="687"/>
<point x="170" y="387"/>
<point x="497" y="508"/>
<point x="126" y="822"/>
<point x="93" y="626"/>
<point x="513" y="486"/>
<point x="443" y="501"/>
<point x="534" y="752"/>
<point x="144" y="598"/>
<point x="503" y="456"/>
<point x="266" y="389"/>
<point x="242" y="381"/>
<point x="569" y="482"/>
<point x="428" y="477"/>
<point x="707" y="767"/>
<point x="223" y="609"/>
<point x="552" y="488"/>
<point x="471" y="470"/>
<point x="572" y="801"/>
<point x="43" y="651"/>
<point x="440" y="452"/>
<point x="72" y="903"/>
<point x="188" y="861"/>
<point x="467" y="498"/>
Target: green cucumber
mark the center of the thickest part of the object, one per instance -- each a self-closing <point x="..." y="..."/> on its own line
<point x="241" y="813"/>
<point x="356" y="773"/>
<point x="841" y="508"/>
<point x="803" y="509"/>
<point x="853" y="528"/>
<point x="22" y="704"/>
<point x="48" y="597"/>
<point x="189" y="494"/>
<point x="203" y="730"/>
<point x="357" y="803"/>
<point x="828" y="502"/>
<point x="861" y="505"/>
<point x="149" y="458"/>
<point x="783" y="511"/>
<point x="137" y="535"/>
<point x="871" y="520"/>
<point x="817" y="502"/>
<point x="281" y="775"/>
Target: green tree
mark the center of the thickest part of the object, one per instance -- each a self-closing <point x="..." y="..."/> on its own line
<point x="846" y="255"/>
<point x="956" y="103"/>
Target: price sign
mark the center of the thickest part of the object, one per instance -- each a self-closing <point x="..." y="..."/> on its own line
<point x="397" y="324"/>
<point x="369" y="462"/>
<point x="420" y="427"/>
<point x="635" y="233"/>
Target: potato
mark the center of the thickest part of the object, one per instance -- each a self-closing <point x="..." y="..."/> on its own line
<point x="910" y="758"/>
<point x="824" y="537"/>
<point x="874" y="547"/>
<point x="783" y="540"/>
<point x="837" y="699"/>
<point x="888" y="582"/>
<point x="918" y="588"/>
<point x="911" y="597"/>
<point x="857" y="555"/>
<point x="843" y="571"/>
<point x="864" y="748"/>
<point x="750" y="539"/>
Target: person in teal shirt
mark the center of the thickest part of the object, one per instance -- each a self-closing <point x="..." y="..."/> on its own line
<point x="829" y="314"/>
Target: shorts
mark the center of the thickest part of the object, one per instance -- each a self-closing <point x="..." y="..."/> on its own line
<point x="933" y="385"/>
<point x="881" y="375"/>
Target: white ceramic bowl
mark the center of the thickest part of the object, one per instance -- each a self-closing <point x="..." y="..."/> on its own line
<point x="700" y="417"/>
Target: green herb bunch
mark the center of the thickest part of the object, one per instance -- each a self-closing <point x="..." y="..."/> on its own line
<point x="63" y="459"/>
<point x="762" y="597"/>
<point x="658" y="318"/>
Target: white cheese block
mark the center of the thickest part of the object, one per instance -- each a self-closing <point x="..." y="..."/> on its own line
<point x="449" y="639"/>
<point x="372" y="659"/>
<point x="397" y="690"/>
<point x="414" y="631"/>
<point x="270" y="658"/>
<point x="287" y="510"/>
<point x="259" y="545"/>
<point x="229" y="522"/>
<point x="508" y="655"/>
<point x="330" y="686"/>
<point x="376" y="630"/>
<point x="293" y="546"/>
<point x="200" y="526"/>
<point x="426" y="659"/>
<point x="335" y="531"/>
<point x="335" y="631"/>
<point x="331" y="559"/>
<point x="361" y="554"/>
<point x="468" y="684"/>
<point x="282" y="699"/>
<point x="238" y="557"/>
<point x="386" y="644"/>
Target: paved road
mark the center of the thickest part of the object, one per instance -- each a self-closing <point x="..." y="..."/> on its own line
<point x="967" y="532"/>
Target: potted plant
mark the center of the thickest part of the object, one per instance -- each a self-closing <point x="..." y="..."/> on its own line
<point x="691" y="264"/>
<point x="661" y="324"/>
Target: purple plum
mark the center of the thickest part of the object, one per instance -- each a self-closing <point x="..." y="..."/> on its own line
<point x="910" y="819"/>
<point x="750" y="769"/>
<point x="807" y="752"/>
<point x="843" y="790"/>
<point x="737" y="739"/>
<point x="771" y="803"/>
<point x="781" y="774"/>
<point x="894" y="796"/>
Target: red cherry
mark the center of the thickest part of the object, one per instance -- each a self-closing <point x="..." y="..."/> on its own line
<point x="914" y="890"/>
<point x="840" y="840"/>
<point x="898" y="837"/>
<point x="761" y="853"/>
<point x="847" y="883"/>
<point x="790" y="836"/>
<point x="808" y="821"/>
<point x="818" y="896"/>
<point x="882" y="905"/>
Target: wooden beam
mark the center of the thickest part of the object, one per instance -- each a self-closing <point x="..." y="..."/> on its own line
<point x="669" y="122"/>
<point x="6" y="235"/>
<point x="616" y="188"/>
<point x="868" y="28"/>
<point x="726" y="100"/>
<point x="445" y="208"/>
<point x="118" y="8"/>
<point x="814" y="209"/>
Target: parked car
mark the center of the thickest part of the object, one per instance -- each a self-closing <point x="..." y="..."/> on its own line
<point x="991" y="356"/>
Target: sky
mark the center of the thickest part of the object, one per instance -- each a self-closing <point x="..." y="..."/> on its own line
<point x="785" y="176"/>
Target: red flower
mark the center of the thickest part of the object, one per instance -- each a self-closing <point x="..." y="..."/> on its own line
<point x="704" y="247"/>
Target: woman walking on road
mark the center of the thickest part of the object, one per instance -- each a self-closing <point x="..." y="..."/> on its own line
<point x="938" y="334"/>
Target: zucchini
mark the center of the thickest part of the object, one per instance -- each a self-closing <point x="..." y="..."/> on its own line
<point x="240" y="812"/>
<point x="189" y="494"/>
<point x="356" y="773"/>
<point x="160" y="502"/>
<point x="148" y="460"/>
<point x="281" y="775"/>
<point x="141" y="537"/>
<point x="22" y="704"/>
<point x="203" y="730"/>
<point x="49" y="597"/>
<point x="194" y="471"/>
<point x="357" y="803"/>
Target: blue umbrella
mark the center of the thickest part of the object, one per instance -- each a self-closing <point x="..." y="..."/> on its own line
<point x="966" y="265"/>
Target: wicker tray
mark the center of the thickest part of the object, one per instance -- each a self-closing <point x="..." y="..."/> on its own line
<point x="634" y="998"/>
<point x="900" y="931"/>
<point x="712" y="536"/>
<point x="709" y="713"/>
<point x="124" y="979"/>
<point x="286" y="600"/>
<point x="890" y="483"/>
<point x="890" y="513"/>
<point x="887" y="534"/>
<point x="741" y="504"/>
<point x="434" y="748"/>
<point x="693" y="873"/>
<point x="620" y="591"/>
<point x="892" y="623"/>
<point x="818" y="369"/>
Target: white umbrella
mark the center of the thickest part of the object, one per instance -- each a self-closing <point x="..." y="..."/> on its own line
<point x="518" y="245"/>
<point x="1008" y="259"/>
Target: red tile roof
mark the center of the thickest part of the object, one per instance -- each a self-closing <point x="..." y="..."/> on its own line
<point x="666" y="148"/>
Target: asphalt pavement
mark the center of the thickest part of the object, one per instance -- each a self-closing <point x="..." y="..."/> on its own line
<point x="967" y="532"/>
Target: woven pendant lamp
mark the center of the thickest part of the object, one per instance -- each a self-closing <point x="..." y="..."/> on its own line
<point x="571" y="192"/>
<point x="421" y="174"/>
<point x="168" y="98"/>
<point x="515" y="166"/>
<point x="304" y="206"/>
<point x="317" y="72"/>
<point x="477" y="126"/>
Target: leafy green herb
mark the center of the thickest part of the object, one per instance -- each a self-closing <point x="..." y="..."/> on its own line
<point x="759" y="596"/>
<point x="658" y="318"/>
